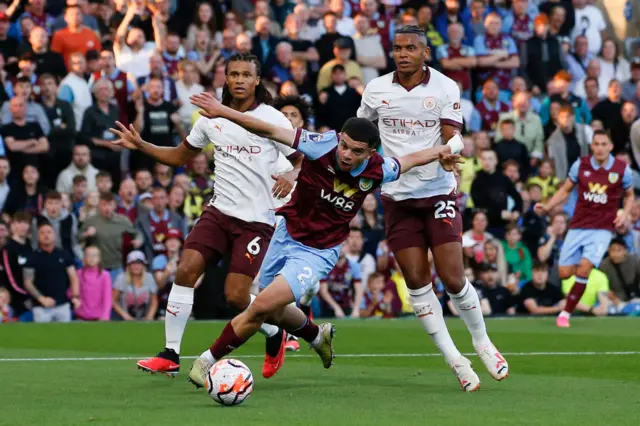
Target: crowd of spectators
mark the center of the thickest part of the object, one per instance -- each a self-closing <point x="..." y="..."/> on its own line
<point x="92" y="231"/>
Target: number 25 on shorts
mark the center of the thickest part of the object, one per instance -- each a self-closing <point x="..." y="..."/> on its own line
<point x="445" y="209"/>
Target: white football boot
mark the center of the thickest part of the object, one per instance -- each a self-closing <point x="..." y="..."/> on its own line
<point x="468" y="379"/>
<point x="494" y="361"/>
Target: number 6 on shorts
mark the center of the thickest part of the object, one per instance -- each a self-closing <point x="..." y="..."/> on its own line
<point x="253" y="248"/>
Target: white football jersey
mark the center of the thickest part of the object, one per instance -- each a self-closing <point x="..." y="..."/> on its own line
<point x="244" y="164"/>
<point x="410" y="121"/>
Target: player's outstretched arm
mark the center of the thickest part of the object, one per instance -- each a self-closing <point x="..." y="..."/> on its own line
<point x="559" y="197"/>
<point x="447" y="154"/>
<point x="171" y="156"/>
<point x="212" y="108"/>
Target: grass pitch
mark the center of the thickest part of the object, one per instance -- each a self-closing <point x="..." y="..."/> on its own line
<point x="386" y="373"/>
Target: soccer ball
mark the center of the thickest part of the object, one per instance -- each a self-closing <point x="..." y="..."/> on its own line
<point x="229" y="382"/>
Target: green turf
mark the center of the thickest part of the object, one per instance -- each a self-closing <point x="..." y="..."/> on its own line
<point x="375" y="390"/>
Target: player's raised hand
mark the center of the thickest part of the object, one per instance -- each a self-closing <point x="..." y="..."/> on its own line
<point x="450" y="162"/>
<point x="620" y="220"/>
<point x="127" y="137"/>
<point x="283" y="185"/>
<point x="210" y="106"/>
<point x="540" y="209"/>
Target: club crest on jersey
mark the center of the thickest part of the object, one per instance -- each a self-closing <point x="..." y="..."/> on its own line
<point x="366" y="184"/>
<point x="429" y="103"/>
<point x="119" y="84"/>
<point x="315" y="137"/>
<point x="613" y="178"/>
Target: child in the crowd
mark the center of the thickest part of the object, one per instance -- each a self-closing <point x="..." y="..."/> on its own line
<point x="104" y="182"/>
<point x="6" y="313"/>
<point x="378" y="299"/>
<point x="90" y="207"/>
<point x="95" y="288"/>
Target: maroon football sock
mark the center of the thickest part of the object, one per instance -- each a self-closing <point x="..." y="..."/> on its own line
<point x="309" y="331"/>
<point x="575" y="294"/>
<point x="226" y="343"/>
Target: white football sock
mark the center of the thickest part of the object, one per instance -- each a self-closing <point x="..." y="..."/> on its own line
<point x="208" y="356"/>
<point x="178" y="312"/>
<point x="468" y="305"/>
<point x="267" y="330"/>
<point x="429" y="311"/>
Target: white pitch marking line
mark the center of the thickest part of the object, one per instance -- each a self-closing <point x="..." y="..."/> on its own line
<point x="129" y="358"/>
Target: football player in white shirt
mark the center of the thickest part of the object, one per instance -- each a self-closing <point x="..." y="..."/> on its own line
<point x="417" y="107"/>
<point x="239" y="219"/>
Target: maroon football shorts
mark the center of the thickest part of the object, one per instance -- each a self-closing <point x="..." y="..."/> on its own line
<point x="422" y="222"/>
<point x="217" y="234"/>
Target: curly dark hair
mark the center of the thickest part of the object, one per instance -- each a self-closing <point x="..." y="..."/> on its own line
<point x="297" y="102"/>
<point x="262" y="94"/>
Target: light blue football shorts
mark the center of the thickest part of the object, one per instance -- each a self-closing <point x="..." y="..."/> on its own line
<point x="590" y="244"/>
<point x="302" y="266"/>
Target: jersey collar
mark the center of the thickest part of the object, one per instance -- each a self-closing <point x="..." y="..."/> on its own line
<point x="425" y="80"/>
<point x="607" y="166"/>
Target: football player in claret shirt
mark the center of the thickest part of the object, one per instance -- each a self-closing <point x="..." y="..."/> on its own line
<point x="602" y="182"/>
<point x="239" y="220"/>
<point x="338" y="172"/>
<point x="418" y="107"/>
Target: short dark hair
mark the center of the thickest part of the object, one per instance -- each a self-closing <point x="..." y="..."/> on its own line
<point x="71" y="7"/>
<point x="601" y="133"/>
<point x="507" y="121"/>
<point x="338" y="67"/>
<point x="362" y="130"/>
<point x="620" y="241"/>
<point x="53" y="195"/>
<point x="23" y="79"/>
<point x="329" y="13"/>
<point x="262" y="95"/>
<point x="79" y="179"/>
<point x="21" y="217"/>
<point x="2" y="157"/>
<point x="510" y="163"/>
<point x="540" y="266"/>
<point x="141" y="170"/>
<point x="107" y="196"/>
<point x="48" y="76"/>
<point x="103" y="173"/>
<point x="296" y="102"/>
<point x="412" y="29"/>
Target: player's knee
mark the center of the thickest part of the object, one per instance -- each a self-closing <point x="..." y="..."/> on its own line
<point x="237" y="299"/>
<point x="566" y="272"/>
<point x="259" y="311"/>
<point x="453" y="282"/>
<point x="190" y="268"/>
<point x="415" y="279"/>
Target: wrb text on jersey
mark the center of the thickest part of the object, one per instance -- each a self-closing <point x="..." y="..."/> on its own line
<point x="597" y="193"/>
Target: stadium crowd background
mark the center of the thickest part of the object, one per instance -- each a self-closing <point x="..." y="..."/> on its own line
<point x="98" y="230"/>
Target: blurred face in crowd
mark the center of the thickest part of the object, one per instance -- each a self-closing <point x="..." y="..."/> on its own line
<point x="521" y="103"/>
<point x="81" y="156"/>
<point x="508" y="130"/>
<point x="591" y="89"/>
<point x="18" y="107"/>
<point x="144" y="180"/>
<point x="410" y="52"/>
<point x="30" y="175"/>
<point x="615" y="90"/>
<point x="545" y="170"/>
<point x="188" y="73"/>
<point x="292" y="25"/>
<point x="22" y="90"/>
<point x="408" y="19"/>
<point x="513" y="237"/>
<point x="369" y="7"/>
<point x="337" y="7"/>
<point x="456" y="33"/>
<point x="46" y="236"/>
<point x="176" y="197"/>
<point x="103" y="90"/>
<point x="128" y="191"/>
<point x="481" y="142"/>
<point x="540" y="277"/>
<point x="581" y="46"/>
<point x="493" y="24"/>
<point x="104" y="184"/>
<point x="338" y="77"/>
<point x="558" y="16"/>
<point x="609" y="50"/>
<point x="243" y="43"/>
<point x="601" y="147"/>
<point x="362" y="24"/>
<point x="453" y="7"/>
<point x="92" y="256"/>
<point x="467" y="150"/>
<point x="559" y="225"/>
<point x="183" y="182"/>
<point x="39" y="39"/>
<point x="199" y="164"/>
<point x="330" y="23"/>
<point x="205" y="13"/>
<point x="579" y="4"/>
<point x="228" y="39"/>
<point x="135" y="38"/>
<point x="490" y="91"/>
<point x="263" y="25"/>
<point x="284" y="53"/>
<point x="73" y="17"/>
<point x="477" y="10"/>
<point x="155" y="88"/>
<point x="106" y="208"/>
<point x="302" y="12"/>
<point x="78" y="64"/>
<point x="376" y="283"/>
<point x="53" y="207"/>
<point x="512" y="172"/>
<point x="19" y="228"/>
<point x="289" y="88"/>
<point x="490" y="252"/>
<point x="172" y="43"/>
<point x="565" y="119"/>
<point x="593" y="69"/>
<point x="370" y="204"/>
<point x="242" y="79"/>
<point x="160" y="201"/>
<point x="261" y="8"/>
<point x="27" y="67"/>
<point x="480" y="223"/>
<point x="535" y="193"/>
<point x="617" y="253"/>
<point x="489" y="161"/>
<point x="136" y="268"/>
<point x="355" y="242"/>
<point x="490" y="278"/>
<point x="202" y="40"/>
<point x="425" y="14"/>
<point x="26" y="26"/>
<point x="156" y="65"/>
<point x="4" y="27"/>
<point x="629" y="112"/>
<point x="541" y="29"/>
<point x="219" y="76"/>
<point x="4" y="169"/>
<point x="107" y="61"/>
<point x="298" y="71"/>
<point x="173" y="245"/>
<point x="520" y="7"/>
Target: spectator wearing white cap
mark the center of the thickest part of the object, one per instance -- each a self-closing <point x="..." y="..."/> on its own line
<point x="135" y="291"/>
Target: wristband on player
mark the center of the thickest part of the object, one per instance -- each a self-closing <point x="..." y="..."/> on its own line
<point x="456" y="144"/>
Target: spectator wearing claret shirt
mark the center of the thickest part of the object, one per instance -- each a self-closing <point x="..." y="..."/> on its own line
<point x="541" y="56"/>
<point x="381" y="22"/>
<point x="379" y="298"/>
<point x="36" y="13"/>
<point x="490" y="107"/>
<point x="518" y="23"/>
<point x="75" y="38"/>
<point x="172" y="54"/>
<point x="341" y="291"/>
<point x="127" y="194"/>
<point x="457" y="59"/>
<point x="497" y="54"/>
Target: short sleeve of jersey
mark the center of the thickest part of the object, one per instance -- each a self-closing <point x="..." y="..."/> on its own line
<point x="159" y="263"/>
<point x="451" y="110"/>
<point x="574" y="171"/>
<point x="627" y="178"/>
<point x="355" y="270"/>
<point x="512" y="49"/>
<point x="479" y="46"/>
<point x="314" y="145"/>
<point x="442" y="52"/>
<point x="390" y="169"/>
<point x="367" y="109"/>
<point x="197" y="138"/>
